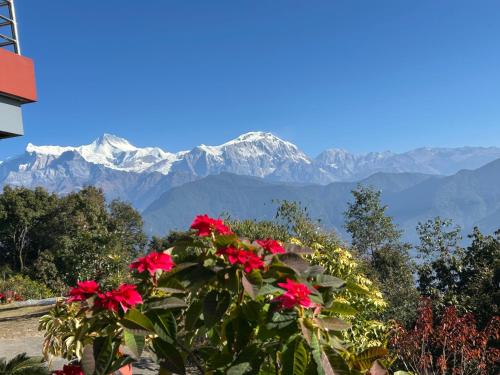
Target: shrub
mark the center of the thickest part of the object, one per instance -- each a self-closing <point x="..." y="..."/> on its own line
<point x="23" y="365"/>
<point x="218" y="302"/>
<point x="360" y="308"/>
<point x="451" y="345"/>
<point x="25" y="287"/>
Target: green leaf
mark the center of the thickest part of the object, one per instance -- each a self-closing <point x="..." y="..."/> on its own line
<point x="314" y="271"/>
<point x="193" y="315"/>
<point x="119" y="363"/>
<point x="215" y="305"/>
<point x="238" y="332"/>
<point x="332" y="324"/>
<point x="356" y="288"/>
<point x="252" y="311"/>
<point x="322" y="363"/>
<point x="269" y="289"/>
<point x="137" y="322"/>
<point x="169" y="357"/>
<point x="280" y="320"/>
<point x="251" y="284"/>
<point x="295" y="358"/>
<point x="365" y="359"/>
<point x="134" y="342"/>
<point x="338" y="363"/>
<point x="97" y="357"/>
<point x="343" y="308"/>
<point x="225" y="240"/>
<point x="328" y="281"/>
<point x="164" y="279"/>
<point x="294" y="261"/>
<point x="166" y="303"/>
<point x="239" y="369"/>
<point x="165" y="324"/>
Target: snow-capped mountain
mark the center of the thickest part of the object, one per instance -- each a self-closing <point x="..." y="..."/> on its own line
<point x="256" y="154"/>
<point x="139" y="175"/>
<point x="115" y="153"/>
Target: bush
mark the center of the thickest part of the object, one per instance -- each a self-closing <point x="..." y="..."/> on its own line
<point x="25" y="287"/>
<point x="452" y="344"/>
<point x="362" y="308"/>
<point x="23" y="365"/>
<point x="219" y="303"/>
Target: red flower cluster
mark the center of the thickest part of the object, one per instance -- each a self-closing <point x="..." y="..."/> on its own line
<point x="125" y="296"/>
<point x="206" y="225"/>
<point x="84" y="290"/>
<point x="272" y="246"/>
<point x="248" y="259"/>
<point x="69" y="370"/>
<point x="153" y="262"/>
<point x="10" y="296"/>
<point x="296" y="294"/>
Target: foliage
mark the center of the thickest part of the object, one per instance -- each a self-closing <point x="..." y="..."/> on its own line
<point x="367" y="223"/>
<point x="392" y="268"/>
<point x="361" y="309"/>
<point x="227" y="305"/>
<point x="452" y="345"/>
<point x="441" y="259"/>
<point x="480" y="276"/>
<point x="25" y="287"/>
<point x="88" y="238"/>
<point x="65" y="331"/>
<point x="378" y="241"/>
<point x="468" y="278"/>
<point x="23" y="365"/>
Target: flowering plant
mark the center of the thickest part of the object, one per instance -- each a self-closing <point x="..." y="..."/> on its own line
<point x="221" y="304"/>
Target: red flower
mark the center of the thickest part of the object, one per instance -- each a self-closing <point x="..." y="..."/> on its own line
<point x="206" y="225"/>
<point x="273" y="246"/>
<point x="248" y="259"/>
<point x="84" y="290"/>
<point x="296" y="294"/>
<point x="69" y="370"/>
<point x="125" y="296"/>
<point x="152" y="262"/>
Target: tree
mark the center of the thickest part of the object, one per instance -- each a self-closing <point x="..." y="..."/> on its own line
<point x="441" y="260"/>
<point x="367" y="223"/>
<point x="21" y="211"/>
<point x="467" y="278"/>
<point x="60" y="240"/>
<point x="126" y="226"/>
<point x="480" y="277"/>
<point x="378" y="241"/>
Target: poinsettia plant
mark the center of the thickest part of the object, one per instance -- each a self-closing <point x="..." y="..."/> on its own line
<point x="217" y="303"/>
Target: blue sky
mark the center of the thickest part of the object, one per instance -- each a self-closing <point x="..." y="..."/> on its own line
<point x="360" y="75"/>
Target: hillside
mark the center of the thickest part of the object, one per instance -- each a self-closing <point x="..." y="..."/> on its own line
<point x="469" y="197"/>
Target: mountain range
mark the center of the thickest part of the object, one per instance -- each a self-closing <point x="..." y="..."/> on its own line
<point x="156" y="181"/>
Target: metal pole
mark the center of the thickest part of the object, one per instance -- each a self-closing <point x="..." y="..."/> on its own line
<point x="15" y="34"/>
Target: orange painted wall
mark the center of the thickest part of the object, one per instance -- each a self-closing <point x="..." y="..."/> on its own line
<point x="17" y="76"/>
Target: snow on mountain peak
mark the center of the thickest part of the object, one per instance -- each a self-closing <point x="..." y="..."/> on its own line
<point x="112" y="141"/>
<point x="258" y="136"/>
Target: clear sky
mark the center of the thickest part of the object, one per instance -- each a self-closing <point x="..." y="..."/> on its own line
<point x="360" y="75"/>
